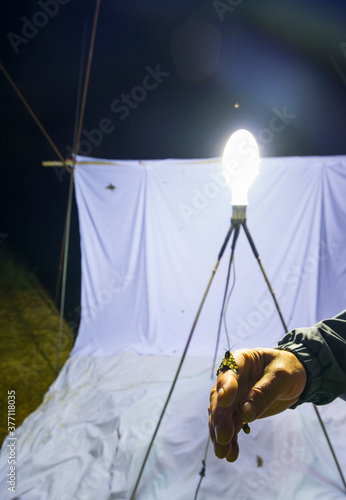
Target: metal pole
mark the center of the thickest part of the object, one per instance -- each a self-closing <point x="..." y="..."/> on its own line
<point x="64" y="272"/>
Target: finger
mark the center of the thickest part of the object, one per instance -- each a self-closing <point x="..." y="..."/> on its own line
<point x="213" y="404"/>
<point x="211" y="427"/>
<point x="221" y="450"/>
<point x="234" y="451"/>
<point x="261" y="397"/>
<point x="238" y="423"/>
<point x="227" y="388"/>
<point x="221" y="425"/>
<point x="223" y="428"/>
<point x="213" y="393"/>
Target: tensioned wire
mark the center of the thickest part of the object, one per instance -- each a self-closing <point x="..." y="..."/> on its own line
<point x="33" y="115"/>
<point x="69" y="205"/>
<point x="77" y="113"/>
<point x="87" y="77"/>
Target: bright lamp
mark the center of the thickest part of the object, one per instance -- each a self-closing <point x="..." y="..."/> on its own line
<point x="240" y="164"/>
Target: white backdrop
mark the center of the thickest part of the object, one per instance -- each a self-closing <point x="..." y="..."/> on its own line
<point x="150" y="244"/>
<point x="150" y="235"/>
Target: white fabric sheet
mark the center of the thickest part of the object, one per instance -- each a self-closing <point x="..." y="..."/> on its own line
<point x="88" y="439"/>
<point x="150" y="244"/>
<point x="148" y="249"/>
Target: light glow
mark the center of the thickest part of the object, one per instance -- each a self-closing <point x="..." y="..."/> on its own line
<point x="240" y="164"/>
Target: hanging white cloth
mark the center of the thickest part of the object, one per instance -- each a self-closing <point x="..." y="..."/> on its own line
<point x="150" y="235"/>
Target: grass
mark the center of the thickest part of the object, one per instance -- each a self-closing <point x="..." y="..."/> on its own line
<point x="29" y="326"/>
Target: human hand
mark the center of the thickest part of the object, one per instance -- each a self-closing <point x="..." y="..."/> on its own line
<point x="269" y="382"/>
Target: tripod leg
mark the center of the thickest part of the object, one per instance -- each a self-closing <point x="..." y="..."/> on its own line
<point x="224" y="245"/>
<point x="285" y="327"/>
<point x="247" y="232"/>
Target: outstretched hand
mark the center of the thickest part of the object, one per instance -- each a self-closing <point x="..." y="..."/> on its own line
<point x="269" y="382"/>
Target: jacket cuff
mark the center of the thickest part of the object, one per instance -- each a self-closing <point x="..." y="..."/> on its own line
<point x="312" y="367"/>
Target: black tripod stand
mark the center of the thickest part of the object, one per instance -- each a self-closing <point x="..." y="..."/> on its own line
<point x="238" y="220"/>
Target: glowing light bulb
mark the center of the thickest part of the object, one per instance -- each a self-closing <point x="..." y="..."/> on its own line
<point x="240" y="164"/>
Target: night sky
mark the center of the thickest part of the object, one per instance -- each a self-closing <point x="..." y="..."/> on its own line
<point x="169" y="79"/>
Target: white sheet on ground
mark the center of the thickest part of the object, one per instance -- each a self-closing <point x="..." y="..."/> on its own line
<point x="148" y="249"/>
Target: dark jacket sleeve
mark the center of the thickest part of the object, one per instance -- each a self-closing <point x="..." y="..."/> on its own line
<point x="322" y="351"/>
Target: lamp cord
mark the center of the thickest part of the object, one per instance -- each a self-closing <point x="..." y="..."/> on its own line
<point x="182" y="358"/>
<point x="226" y="306"/>
<point x="235" y="237"/>
<point x="222" y="316"/>
<point x="202" y="471"/>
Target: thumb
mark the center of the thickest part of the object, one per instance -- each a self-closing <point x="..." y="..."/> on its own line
<point x="261" y="397"/>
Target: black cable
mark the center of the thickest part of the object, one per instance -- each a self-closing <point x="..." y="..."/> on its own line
<point x="202" y="471"/>
<point x="202" y="474"/>
<point x="226" y="306"/>
<point x="235" y="237"/>
<point x="133" y="495"/>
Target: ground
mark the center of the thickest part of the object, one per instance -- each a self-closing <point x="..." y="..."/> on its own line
<point x="29" y="330"/>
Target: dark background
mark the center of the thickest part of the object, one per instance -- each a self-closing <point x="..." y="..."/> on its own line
<point x="233" y="64"/>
